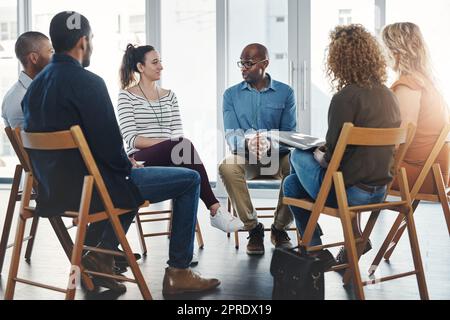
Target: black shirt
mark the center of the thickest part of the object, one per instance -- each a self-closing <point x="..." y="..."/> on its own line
<point x="64" y="94"/>
<point x="375" y="107"/>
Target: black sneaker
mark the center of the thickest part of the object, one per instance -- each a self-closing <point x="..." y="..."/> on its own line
<point x="119" y="271"/>
<point x="341" y="257"/>
<point x="122" y="263"/>
<point x="255" y="244"/>
<point x="280" y="238"/>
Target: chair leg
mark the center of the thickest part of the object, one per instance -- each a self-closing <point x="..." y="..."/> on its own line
<point x="9" y="214"/>
<point x="236" y="233"/>
<point x="169" y="225"/>
<point x="77" y="253"/>
<point x="120" y="234"/>
<point x="229" y="210"/>
<point x="361" y="246"/>
<point x="15" y="261"/>
<point x="33" y="230"/>
<point x="66" y="242"/>
<point x="352" y="258"/>
<point x="140" y="232"/>
<point x="441" y="193"/>
<point x="349" y="237"/>
<point x="399" y="234"/>
<point x="198" y="232"/>
<point x="421" y="282"/>
<point x="376" y="261"/>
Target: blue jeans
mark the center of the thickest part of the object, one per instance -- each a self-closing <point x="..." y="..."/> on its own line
<point x="305" y="182"/>
<point x="158" y="184"/>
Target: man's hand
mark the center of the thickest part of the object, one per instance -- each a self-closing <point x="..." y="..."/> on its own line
<point x="259" y="145"/>
<point x="134" y="163"/>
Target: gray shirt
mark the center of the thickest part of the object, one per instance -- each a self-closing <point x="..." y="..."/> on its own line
<point x="11" y="108"/>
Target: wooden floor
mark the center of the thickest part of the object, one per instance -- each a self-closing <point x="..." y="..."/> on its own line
<point x="244" y="277"/>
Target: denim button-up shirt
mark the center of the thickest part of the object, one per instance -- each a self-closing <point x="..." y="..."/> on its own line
<point x="246" y="109"/>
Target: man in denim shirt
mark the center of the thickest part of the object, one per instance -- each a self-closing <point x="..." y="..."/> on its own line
<point x="250" y="109"/>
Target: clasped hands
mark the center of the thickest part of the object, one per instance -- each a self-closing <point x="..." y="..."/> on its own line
<point x="258" y="145"/>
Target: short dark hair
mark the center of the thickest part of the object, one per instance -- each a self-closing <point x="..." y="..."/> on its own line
<point x="26" y="43"/>
<point x="66" y="29"/>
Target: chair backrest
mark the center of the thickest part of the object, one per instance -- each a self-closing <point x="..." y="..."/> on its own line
<point x="400" y="138"/>
<point x="438" y="145"/>
<point x="67" y="140"/>
<point x="18" y="149"/>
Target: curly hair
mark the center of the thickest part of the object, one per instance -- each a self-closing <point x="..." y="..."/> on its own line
<point x="354" y="57"/>
<point x="407" y="50"/>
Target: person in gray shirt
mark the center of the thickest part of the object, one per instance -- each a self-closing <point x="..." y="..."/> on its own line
<point x="34" y="51"/>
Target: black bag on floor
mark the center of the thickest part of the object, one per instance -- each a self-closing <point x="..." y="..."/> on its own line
<point x="297" y="276"/>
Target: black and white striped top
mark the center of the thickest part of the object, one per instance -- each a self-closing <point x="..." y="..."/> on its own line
<point x="139" y="117"/>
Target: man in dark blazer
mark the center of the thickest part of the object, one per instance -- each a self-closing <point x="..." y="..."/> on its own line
<point x="65" y="94"/>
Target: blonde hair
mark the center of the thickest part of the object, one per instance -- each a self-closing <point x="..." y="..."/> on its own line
<point x="408" y="51"/>
<point x="354" y="57"/>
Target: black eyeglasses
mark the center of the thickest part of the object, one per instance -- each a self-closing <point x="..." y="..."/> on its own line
<point x="248" y="64"/>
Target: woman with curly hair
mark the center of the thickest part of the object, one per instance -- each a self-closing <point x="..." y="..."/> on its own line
<point x="420" y="101"/>
<point x="357" y="70"/>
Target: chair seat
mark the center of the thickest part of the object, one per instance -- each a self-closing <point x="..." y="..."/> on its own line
<point x="264" y="183"/>
<point x="308" y="205"/>
<point x="423" y="196"/>
<point x="99" y="216"/>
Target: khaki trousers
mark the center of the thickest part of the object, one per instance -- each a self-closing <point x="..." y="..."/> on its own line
<point x="235" y="171"/>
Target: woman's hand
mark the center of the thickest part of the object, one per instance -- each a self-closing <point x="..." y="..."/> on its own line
<point x="135" y="164"/>
<point x="319" y="156"/>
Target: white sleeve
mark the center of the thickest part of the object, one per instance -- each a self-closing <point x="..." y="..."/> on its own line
<point x="176" y="124"/>
<point x="127" y="121"/>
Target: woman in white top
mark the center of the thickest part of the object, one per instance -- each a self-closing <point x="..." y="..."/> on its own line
<point x="150" y="123"/>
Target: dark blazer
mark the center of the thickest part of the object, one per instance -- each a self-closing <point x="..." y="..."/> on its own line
<point x="64" y="94"/>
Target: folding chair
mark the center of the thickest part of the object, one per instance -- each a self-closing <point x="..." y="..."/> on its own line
<point x="15" y="196"/>
<point x="259" y="216"/>
<point x="367" y="137"/>
<point x="442" y="196"/>
<point x="161" y="215"/>
<point x="65" y="140"/>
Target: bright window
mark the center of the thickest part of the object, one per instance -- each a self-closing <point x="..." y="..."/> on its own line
<point x="262" y="21"/>
<point x="114" y="24"/>
<point x="8" y="76"/>
<point x="433" y="20"/>
<point x="188" y="54"/>
<point x="325" y="15"/>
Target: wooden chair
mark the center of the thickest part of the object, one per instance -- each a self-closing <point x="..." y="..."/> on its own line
<point x="65" y="140"/>
<point x="353" y="136"/>
<point x="57" y="223"/>
<point x="259" y="216"/>
<point x="442" y="197"/>
<point x="157" y="216"/>
<point x="15" y="196"/>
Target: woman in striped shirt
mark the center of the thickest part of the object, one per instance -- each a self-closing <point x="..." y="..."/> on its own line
<point x="150" y="123"/>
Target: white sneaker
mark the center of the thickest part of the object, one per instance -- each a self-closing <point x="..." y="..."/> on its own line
<point x="225" y="221"/>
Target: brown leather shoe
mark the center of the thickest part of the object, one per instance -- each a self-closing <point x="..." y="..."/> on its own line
<point x="103" y="263"/>
<point x="280" y="238"/>
<point x="178" y="281"/>
<point x="255" y="244"/>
